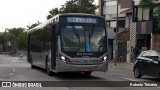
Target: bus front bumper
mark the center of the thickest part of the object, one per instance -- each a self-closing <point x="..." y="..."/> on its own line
<point x="81" y="68"/>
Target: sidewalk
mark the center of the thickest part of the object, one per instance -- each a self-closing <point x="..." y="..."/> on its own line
<point x="121" y="66"/>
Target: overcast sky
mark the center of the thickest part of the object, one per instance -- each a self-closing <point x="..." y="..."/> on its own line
<point x="20" y="13"/>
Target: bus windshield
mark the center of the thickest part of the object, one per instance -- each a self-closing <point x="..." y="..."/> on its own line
<point x="83" y="38"/>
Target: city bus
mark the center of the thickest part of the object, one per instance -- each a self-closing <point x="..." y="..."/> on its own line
<point x="72" y="42"/>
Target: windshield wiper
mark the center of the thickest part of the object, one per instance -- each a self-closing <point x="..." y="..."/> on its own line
<point x="76" y="34"/>
<point x="73" y="29"/>
<point x="91" y="33"/>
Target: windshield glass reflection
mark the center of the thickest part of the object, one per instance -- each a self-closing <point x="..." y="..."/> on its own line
<point x="83" y="39"/>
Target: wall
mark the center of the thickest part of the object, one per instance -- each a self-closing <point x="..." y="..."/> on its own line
<point x="111" y="33"/>
<point x="156" y="45"/>
<point x="128" y="21"/>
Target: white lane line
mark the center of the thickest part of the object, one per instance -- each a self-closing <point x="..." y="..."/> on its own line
<point x="14" y="69"/>
<point x="11" y="74"/>
<point x="26" y="65"/>
<point x="13" y="60"/>
<point x="71" y="88"/>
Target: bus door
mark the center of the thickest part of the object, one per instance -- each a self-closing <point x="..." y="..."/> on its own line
<point x="53" y="45"/>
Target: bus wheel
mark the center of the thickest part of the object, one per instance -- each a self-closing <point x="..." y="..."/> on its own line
<point x="48" y="65"/>
<point x="159" y="76"/>
<point x="32" y="66"/>
<point x="87" y="73"/>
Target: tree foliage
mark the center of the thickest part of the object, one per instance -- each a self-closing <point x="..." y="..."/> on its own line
<point x="33" y="25"/>
<point x="17" y="37"/>
<point x="152" y="4"/>
<point x="53" y="12"/>
<point x="2" y="39"/>
<point x="147" y="3"/>
<point x="75" y="6"/>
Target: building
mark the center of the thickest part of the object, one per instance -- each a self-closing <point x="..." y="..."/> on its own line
<point x="108" y="9"/>
<point x="135" y="25"/>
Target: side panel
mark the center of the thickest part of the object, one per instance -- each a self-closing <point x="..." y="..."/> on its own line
<point x="40" y="46"/>
<point x="46" y="45"/>
<point x="28" y="49"/>
<point x="35" y="47"/>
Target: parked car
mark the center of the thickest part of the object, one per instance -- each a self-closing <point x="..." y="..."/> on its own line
<point x="147" y="63"/>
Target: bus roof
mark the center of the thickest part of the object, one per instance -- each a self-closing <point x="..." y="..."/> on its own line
<point x="56" y="18"/>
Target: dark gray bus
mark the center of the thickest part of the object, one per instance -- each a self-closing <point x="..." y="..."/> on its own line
<point x="69" y="43"/>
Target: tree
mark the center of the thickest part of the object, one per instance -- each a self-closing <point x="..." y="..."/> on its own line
<point x="18" y="39"/>
<point x="2" y="42"/>
<point x="53" y="12"/>
<point x="22" y="41"/>
<point x="75" y="6"/>
<point x="2" y="39"/>
<point x="147" y="3"/>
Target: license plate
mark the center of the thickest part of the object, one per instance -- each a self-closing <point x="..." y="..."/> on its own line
<point x="85" y="69"/>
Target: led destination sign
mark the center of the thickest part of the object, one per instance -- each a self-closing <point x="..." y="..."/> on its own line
<point x="81" y="20"/>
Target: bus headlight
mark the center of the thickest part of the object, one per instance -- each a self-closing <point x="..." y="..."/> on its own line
<point x="103" y="60"/>
<point x="64" y="59"/>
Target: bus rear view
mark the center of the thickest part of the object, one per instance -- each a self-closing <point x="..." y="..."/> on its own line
<point x="78" y="43"/>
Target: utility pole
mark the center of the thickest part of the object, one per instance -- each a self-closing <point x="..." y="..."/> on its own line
<point x="116" y="44"/>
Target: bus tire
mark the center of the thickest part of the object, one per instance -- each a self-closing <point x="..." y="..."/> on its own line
<point x="32" y="66"/>
<point x="48" y="68"/>
<point x="159" y="76"/>
<point x="87" y="73"/>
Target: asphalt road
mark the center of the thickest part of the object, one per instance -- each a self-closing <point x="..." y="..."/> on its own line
<point x="13" y="69"/>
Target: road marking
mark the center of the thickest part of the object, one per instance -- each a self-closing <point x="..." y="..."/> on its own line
<point x="26" y="65"/>
<point x="14" y="69"/>
<point x="4" y="65"/>
<point x="19" y="61"/>
<point x="71" y="88"/>
<point x="129" y="79"/>
<point x="11" y="74"/>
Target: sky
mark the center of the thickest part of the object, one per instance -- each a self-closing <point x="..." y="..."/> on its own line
<point x="20" y="13"/>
